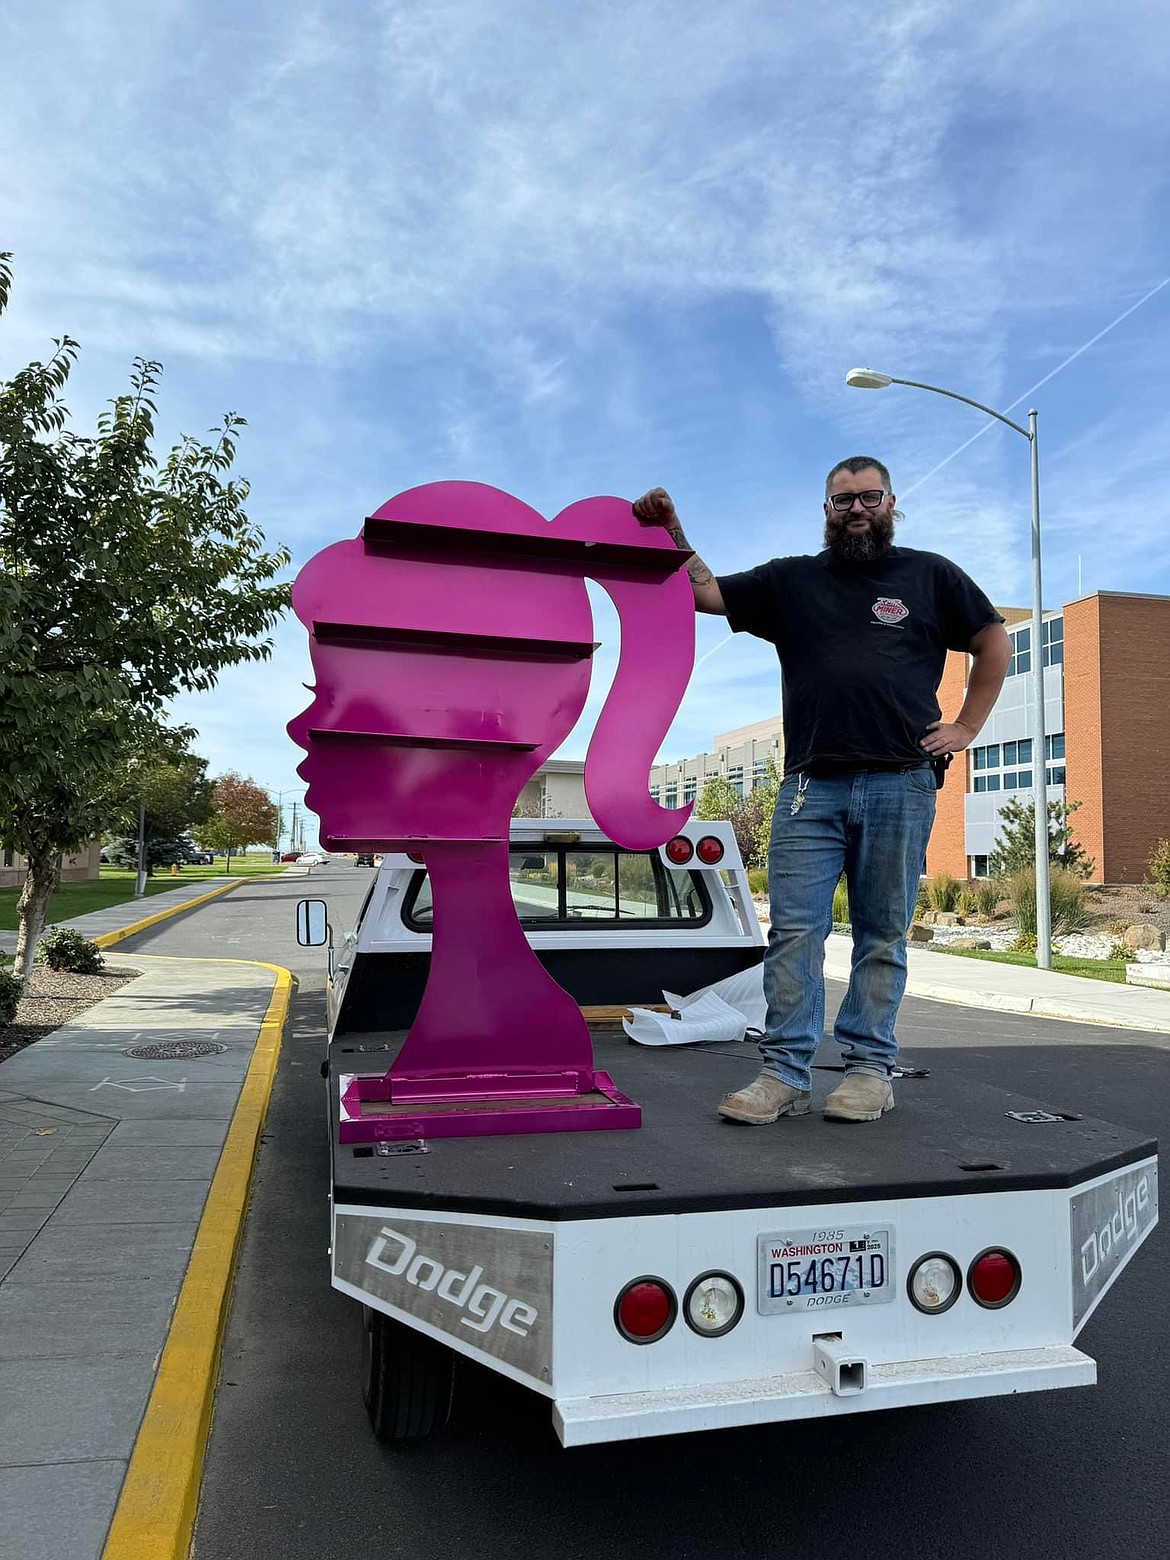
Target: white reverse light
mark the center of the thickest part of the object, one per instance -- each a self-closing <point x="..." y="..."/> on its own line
<point x="934" y="1283"/>
<point x="713" y="1304"/>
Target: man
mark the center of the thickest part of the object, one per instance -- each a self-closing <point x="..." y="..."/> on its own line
<point x="861" y="630"/>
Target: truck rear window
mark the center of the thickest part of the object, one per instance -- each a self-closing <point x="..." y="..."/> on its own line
<point x="566" y="886"/>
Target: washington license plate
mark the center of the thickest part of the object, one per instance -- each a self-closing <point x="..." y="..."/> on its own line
<point x="823" y="1269"/>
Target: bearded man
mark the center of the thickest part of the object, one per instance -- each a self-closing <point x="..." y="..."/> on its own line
<point x="861" y="630"/>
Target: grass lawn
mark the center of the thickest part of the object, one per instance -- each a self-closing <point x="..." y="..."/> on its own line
<point x="1094" y="969"/>
<point x="116" y="885"/>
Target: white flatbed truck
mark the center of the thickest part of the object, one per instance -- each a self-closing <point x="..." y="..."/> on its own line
<point x="692" y="1274"/>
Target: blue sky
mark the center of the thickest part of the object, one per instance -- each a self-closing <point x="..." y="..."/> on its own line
<point x="590" y="249"/>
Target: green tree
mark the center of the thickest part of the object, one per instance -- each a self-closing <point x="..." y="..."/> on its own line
<point x="241" y="815"/>
<point x="753" y="821"/>
<point x="718" y="799"/>
<point x="1015" y="845"/>
<point x="123" y="581"/>
<point x="173" y="789"/>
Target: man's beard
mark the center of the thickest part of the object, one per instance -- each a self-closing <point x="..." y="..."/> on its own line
<point x="860" y="546"/>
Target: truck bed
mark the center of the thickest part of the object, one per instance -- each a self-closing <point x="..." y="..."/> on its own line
<point x="946" y="1136"/>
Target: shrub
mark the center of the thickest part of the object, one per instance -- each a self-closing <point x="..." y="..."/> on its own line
<point x="758" y="880"/>
<point x="921" y="902"/>
<point x="1118" y="928"/>
<point x="1066" y="892"/>
<point x="9" y="996"/>
<point x="1158" y="867"/>
<point x="1015" y="846"/>
<point x="1024" y="942"/>
<point x="942" y="891"/>
<point x="987" y="895"/>
<point x="966" y="903"/>
<point x="841" y="904"/>
<point x="66" y="949"/>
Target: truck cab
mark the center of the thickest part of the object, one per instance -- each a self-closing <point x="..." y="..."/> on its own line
<point x="614" y="927"/>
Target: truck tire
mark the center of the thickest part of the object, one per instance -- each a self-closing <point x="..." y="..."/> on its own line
<point x="408" y="1380"/>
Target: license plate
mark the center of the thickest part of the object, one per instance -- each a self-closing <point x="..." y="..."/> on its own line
<point x="824" y="1269"/>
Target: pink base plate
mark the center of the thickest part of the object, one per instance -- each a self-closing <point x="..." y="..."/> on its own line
<point x="366" y="1116"/>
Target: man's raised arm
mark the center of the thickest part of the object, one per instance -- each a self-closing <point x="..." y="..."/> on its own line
<point x="657" y="508"/>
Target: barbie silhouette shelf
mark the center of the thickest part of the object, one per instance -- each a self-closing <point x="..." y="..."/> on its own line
<point x="451" y="644"/>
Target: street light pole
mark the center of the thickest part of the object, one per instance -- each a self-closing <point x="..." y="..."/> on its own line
<point x="871" y="379"/>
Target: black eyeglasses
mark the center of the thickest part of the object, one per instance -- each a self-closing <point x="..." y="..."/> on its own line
<point x="870" y="499"/>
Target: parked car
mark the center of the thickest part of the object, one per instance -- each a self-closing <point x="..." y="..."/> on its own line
<point x="312" y="858"/>
<point x="198" y="857"/>
<point x="364" y="859"/>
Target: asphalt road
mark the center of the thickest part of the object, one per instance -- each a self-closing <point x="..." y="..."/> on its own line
<point x="292" y="1470"/>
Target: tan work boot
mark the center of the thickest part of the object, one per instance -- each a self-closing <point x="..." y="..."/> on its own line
<point x="764" y="1099"/>
<point x="862" y="1097"/>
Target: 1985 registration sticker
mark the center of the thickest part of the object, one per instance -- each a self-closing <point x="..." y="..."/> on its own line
<point x="824" y="1269"/>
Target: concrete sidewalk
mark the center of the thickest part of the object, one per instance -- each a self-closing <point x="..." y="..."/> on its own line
<point x="106" y="1164"/>
<point x="1012" y="988"/>
<point x="108" y="927"/>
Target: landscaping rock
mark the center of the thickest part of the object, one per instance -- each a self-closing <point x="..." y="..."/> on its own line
<point x="1145" y="936"/>
<point x="917" y="933"/>
<point x="969" y="942"/>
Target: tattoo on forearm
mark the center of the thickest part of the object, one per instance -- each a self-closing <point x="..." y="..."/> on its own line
<point x="698" y="571"/>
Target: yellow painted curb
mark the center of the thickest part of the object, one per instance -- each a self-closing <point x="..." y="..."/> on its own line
<point x="155" y="1515"/>
<point x="109" y="939"/>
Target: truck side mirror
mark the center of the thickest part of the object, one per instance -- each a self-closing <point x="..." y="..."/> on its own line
<point x="312" y="923"/>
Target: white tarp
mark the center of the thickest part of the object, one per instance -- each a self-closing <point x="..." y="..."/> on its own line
<point x="725" y="1011"/>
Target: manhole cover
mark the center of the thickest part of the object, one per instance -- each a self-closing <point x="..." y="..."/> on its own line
<point x="175" y="1050"/>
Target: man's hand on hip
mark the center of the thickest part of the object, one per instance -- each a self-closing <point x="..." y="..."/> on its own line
<point x="946" y="737"/>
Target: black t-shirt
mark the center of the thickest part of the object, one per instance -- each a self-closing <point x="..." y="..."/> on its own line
<point x="861" y="647"/>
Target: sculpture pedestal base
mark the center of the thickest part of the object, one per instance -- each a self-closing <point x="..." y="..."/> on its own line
<point x="371" y="1113"/>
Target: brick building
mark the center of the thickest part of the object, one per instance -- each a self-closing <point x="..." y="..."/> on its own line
<point x="78" y="868"/>
<point x="1107" y="745"/>
<point x="1106" y="690"/>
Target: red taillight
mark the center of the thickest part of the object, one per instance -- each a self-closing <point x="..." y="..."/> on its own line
<point x="994" y="1279"/>
<point x="645" y="1310"/>
<point x="414" y="856"/>
<point x="709" y="850"/>
<point x="679" y="850"/>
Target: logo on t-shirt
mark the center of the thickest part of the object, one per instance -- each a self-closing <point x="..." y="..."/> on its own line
<point x="888" y="609"/>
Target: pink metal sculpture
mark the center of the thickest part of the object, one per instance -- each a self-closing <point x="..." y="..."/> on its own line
<point x="451" y="644"/>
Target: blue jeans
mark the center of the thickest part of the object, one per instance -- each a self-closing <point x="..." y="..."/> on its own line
<point x="873" y="826"/>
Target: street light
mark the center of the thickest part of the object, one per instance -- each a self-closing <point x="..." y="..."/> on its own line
<point x="871" y="379"/>
<point x="289" y="790"/>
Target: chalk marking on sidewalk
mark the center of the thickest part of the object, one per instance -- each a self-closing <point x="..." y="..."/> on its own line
<point x="155" y="1515"/>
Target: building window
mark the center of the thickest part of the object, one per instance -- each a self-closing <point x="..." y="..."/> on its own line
<point x="671" y="796"/>
<point x="1021" y="660"/>
<point x="690" y="790"/>
<point x="1052" y="642"/>
<point x="1056" y="776"/>
<point x="1054" y="745"/>
<point x="988" y="757"/>
<point x="977" y="866"/>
